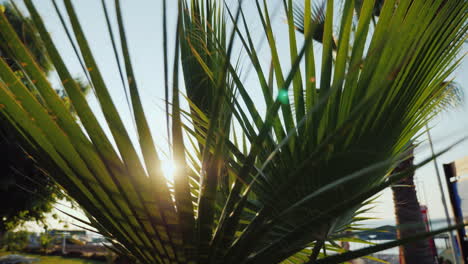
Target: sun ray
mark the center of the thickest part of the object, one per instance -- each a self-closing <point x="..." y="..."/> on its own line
<point x="168" y="168"/>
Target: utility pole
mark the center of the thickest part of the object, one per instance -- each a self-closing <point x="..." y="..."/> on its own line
<point x="64" y="242"/>
<point x="444" y="201"/>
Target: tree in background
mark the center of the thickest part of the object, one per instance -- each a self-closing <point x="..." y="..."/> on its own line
<point x="46" y="241"/>
<point x="409" y="218"/>
<point x="27" y="193"/>
<point x="15" y="241"/>
<point x="25" y="190"/>
<point x="28" y="35"/>
<point x="408" y="214"/>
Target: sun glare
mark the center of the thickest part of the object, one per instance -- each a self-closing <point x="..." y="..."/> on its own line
<point x="168" y="168"/>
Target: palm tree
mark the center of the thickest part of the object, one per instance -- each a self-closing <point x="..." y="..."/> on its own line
<point x="409" y="218"/>
<point x="289" y="184"/>
<point x="408" y="213"/>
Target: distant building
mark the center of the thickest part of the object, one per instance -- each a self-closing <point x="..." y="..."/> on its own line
<point x="56" y="232"/>
<point x="73" y="236"/>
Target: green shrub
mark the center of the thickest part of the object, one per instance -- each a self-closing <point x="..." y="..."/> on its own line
<point x="46" y="241"/>
<point x="16" y="241"/>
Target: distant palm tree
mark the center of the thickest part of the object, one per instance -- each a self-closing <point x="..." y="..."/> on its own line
<point x="409" y="217"/>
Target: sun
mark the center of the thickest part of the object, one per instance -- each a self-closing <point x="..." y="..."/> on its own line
<point x="168" y="168"/>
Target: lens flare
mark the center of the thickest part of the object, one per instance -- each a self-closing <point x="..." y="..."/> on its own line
<point x="168" y="168"/>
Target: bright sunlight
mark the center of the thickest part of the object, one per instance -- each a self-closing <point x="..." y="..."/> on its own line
<point x="168" y="168"/>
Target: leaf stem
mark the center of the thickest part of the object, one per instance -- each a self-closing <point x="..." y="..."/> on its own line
<point x="316" y="250"/>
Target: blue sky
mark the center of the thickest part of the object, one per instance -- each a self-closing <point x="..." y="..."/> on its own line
<point x="144" y="30"/>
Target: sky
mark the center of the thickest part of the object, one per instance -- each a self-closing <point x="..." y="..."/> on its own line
<point x="143" y="20"/>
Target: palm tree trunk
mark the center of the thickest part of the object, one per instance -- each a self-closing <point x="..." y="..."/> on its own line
<point x="409" y="219"/>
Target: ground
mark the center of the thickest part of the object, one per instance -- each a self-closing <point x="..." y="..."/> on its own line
<point x="56" y="259"/>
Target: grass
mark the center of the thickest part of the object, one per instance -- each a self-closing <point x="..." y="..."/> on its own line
<point x="55" y="259"/>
